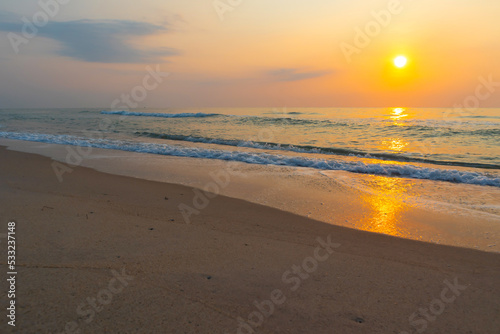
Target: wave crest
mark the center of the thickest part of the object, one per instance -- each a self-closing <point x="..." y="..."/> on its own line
<point x="407" y="170"/>
<point x="134" y="113"/>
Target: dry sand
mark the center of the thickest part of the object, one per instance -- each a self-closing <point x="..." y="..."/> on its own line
<point x="75" y="238"/>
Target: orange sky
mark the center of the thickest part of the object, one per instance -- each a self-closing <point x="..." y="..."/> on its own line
<point x="263" y="53"/>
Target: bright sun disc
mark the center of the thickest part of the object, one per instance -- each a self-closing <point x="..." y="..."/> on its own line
<point x="400" y="61"/>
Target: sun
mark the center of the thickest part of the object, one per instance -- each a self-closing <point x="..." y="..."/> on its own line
<point x="400" y="61"/>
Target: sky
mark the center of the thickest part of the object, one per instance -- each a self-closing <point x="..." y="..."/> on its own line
<point x="249" y="53"/>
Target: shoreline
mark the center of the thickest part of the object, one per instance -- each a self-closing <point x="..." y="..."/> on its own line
<point x="423" y="210"/>
<point x="78" y="235"/>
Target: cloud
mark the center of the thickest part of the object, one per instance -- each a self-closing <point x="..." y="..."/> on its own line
<point x="5" y="15"/>
<point x="275" y="75"/>
<point x="294" y="74"/>
<point x="104" y="41"/>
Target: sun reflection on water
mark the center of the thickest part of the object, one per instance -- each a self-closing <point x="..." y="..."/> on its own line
<point x="394" y="144"/>
<point x="386" y="201"/>
<point x="398" y="114"/>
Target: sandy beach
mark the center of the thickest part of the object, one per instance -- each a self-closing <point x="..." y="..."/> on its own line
<point x="102" y="253"/>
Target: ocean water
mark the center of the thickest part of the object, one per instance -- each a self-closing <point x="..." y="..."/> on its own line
<point x="447" y="145"/>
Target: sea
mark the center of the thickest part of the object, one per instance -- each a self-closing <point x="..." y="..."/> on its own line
<point x="448" y="145"/>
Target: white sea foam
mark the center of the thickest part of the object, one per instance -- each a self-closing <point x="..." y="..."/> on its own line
<point x="406" y="170"/>
<point x="312" y="149"/>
